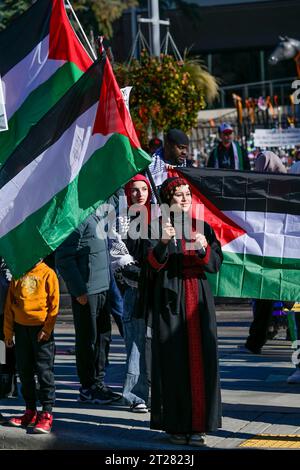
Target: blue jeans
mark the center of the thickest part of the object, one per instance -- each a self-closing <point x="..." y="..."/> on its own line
<point x="136" y="388"/>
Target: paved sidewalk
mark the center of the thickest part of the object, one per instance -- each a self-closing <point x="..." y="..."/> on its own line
<point x="256" y="398"/>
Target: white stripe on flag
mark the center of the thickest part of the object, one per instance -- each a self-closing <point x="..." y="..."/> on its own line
<point x="50" y="172"/>
<point x="28" y="74"/>
<point x="267" y="234"/>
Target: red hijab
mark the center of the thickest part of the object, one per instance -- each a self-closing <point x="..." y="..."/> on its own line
<point x="128" y="187"/>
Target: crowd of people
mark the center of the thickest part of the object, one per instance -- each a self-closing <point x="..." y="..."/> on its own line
<point x="154" y="279"/>
<point x="202" y="148"/>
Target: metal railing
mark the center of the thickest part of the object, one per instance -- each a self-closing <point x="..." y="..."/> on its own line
<point x="280" y="87"/>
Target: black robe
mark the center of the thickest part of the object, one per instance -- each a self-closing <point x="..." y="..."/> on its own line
<point x="177" y="406"/>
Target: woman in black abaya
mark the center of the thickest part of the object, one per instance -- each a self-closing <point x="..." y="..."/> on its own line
<point x="185" y="374"/>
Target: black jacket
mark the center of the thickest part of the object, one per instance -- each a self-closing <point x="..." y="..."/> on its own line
<point x="83" y="259"/>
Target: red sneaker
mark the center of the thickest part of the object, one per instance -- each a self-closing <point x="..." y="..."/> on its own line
<point x="27" y="420"/>
<point x="43" y="423"/>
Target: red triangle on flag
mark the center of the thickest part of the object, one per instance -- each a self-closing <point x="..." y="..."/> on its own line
<point x="112" y="114"/>
<point x="63" y="42"/>
<point x="225" y="229"/>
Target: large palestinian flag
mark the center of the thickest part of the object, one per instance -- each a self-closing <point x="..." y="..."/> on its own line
<point x="41" y="58"/>
<point x="77" y="155"/>
<point x="256" y="217"/>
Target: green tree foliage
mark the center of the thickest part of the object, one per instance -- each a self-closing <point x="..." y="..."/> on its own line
<point x="166" y="93"/>
<point x="96" y="15"/>
<point x="99" y="15"/>
<point x="11" y="9"/>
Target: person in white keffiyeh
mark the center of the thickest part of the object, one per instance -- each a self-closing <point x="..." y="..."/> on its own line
<point x="126" y="258"/>
<point x="172" y="154"/>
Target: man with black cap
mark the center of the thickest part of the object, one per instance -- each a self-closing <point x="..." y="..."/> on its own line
<point x="173" y="153"/>
<point x="228" y="154"/>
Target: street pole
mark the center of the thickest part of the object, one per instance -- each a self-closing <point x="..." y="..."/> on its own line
<point x="155" y="21"/>
<point x="155" y="28"/>
<point x="133" y="19"/>
<point x="262" y="71"/>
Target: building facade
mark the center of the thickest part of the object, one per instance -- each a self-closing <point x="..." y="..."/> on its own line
<point x="234" y="37"/>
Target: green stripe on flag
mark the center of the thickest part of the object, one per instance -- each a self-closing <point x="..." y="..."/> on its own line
<point x="37" y="104"/>
<point x="45" y="230"/>
<point x="257" y="277"/>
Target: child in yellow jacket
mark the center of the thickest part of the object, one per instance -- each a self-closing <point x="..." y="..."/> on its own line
<point x="30" y="313"/>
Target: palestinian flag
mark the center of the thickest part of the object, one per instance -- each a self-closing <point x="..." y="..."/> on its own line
<point x="256" y="217"/>
<point x="71" y="161"/>
<point x="41" y="58"/>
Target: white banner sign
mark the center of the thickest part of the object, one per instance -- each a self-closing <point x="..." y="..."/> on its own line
<point x="276" y="137"/>
<point x="126" y="93"/>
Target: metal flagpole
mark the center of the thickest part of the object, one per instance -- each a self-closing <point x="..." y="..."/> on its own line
<point x="153" y="187"/>
<point x="82" y="31"/>
<point x="158" y="198"/>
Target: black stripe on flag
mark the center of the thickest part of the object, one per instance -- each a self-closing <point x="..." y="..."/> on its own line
<point x="23" y="34"/>
<point x="247" y="191"/>
<point x="78" y="99"/>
